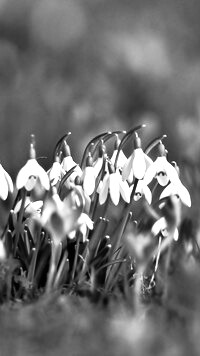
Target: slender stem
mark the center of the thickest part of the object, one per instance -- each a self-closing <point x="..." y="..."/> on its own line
<point x="78" y="237"/>
<point x="153" y="143"/>
<point x="19" y="222"/>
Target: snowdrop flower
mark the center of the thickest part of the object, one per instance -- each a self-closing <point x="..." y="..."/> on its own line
<point x="31" y="172"/>
<point x="98" y="164"/>
<point x="6" y="184"/>
<point x="89" y="177"/>
<point x="142" y="189"/>
<point x="68" y="163"/>
<point x="121" y="160"/>
<point x="114" y="185"/>
<point x="136" y="164"/>
<point x="59" y="217"/>
<point x="2" y="251"/>
<point x="30" y="207"/>
<point x="83" y="223"/>
<point x="161" y="226"/>
<point x="178" y="190"/>
<point x="56" y="172"/>
<point x="162" y="170"/>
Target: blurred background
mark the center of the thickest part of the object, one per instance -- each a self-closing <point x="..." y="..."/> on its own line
<point x="92" y="65"/>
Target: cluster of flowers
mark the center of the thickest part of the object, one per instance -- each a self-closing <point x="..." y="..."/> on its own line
<point x="65" y="201"/>
<point x="108" y="177"/>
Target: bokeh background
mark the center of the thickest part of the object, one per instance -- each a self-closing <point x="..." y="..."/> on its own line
<point x="91" y="65"/>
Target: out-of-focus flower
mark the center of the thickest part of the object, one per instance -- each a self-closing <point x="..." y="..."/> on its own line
<point x="114" y="185"/>
<point x="89" y="177"/>
<point x="56" y="172"/>
<point x="179" y="190"/>
<point x="142" y="189"/>
<point x="2" y="251"/>
<point x="6" y="184"/>
<point x="83" y="223"/>
<point x="60" y="217"/>
<point x="136" y="164"/>
<point x="30" y="207"/>
<point x="161" y="226"/>
<point x="30" y="173"/>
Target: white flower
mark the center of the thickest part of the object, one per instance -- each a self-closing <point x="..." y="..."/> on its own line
<point x="67" y="164"/>
<point x="114" y="185"/>
<point x="59" y="217"/>
<point x="29" y="173"/>
<point x="2" y="251"/>
<point x="56" y="173"/>
<point x="6" y="184"/>
<point x="121" y="161"/>
<point x="161" y="226"/>
<point x="136" y="165"/>
<point x="179" y="190"/>
<point x="83" y="223"/>
<point x="89" y="178"/>
<point x="142" y="189"/>
<point x="162" y="170"/>
<point x="30" y="207"/>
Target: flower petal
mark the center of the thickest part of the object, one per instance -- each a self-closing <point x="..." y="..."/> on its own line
<point x="139" y="164"/>
<point x="103" y="191"/>
<point x="150" y="173"/>
<point x="89" y="180"/>
<point x="127" y="167"/>
<point x="23" y="175"/>
<point x="124" y="190"/>
<point x="147" y="193"/>
<point x="184" y="195"/>
<point x="3" y="187"/>
<point x="9" y="181"/>
<point x="114" y="188"/>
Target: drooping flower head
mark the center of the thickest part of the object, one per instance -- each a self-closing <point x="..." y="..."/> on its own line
<point x="137" y="163"/>
<point x="113" y="185"/>
<point x="60" y="217"/>
<point x="68" y="163"/>
<point x="161" y="169"/>
<point x="31" y="172"/>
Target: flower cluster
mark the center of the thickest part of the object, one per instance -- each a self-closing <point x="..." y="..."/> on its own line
<point x="72" y="205"/>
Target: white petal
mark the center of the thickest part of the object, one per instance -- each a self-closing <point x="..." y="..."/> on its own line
<point x="9" y="181"/>
<point x="139" y="164"/>
<point x="171" y="172"/>
<point x="159" y="225"/>
<point x="126" y="170"/>
<point x="3" y="186"/>
<point x="98" y="165"/>
<point x="85" y="219"/>
<point x="23" y="175"/>
<point x="68" y="163"/>
<point x="43" y="176"/>
<point x="176" y="235"/>
<point x="147" y="194"/>
<point x="148" y="160"/>
<point x="89" y="180"/>
<point x="150" y="173"/>
<point x="124" y="190"/>
<point x="114" y="188"/>
<point x="122" y="159"/>
<point x="184" y="195"/>
<point x="103" y="191"/>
